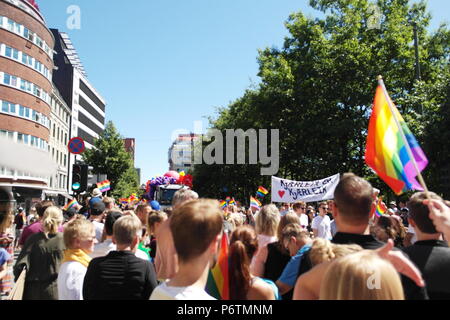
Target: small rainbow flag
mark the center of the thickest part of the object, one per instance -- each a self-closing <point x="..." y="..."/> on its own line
<point x="232" y="202"/>
<point x="104" y="186"/>
<point x="71" y="204"/>
<point x="254" y="203"/>
<point x="218" y="284"/>
<point x="124" y="200"/>
<point x="262" y="192"/>
<point x="386" y="152"/>
<point x="223" y="204"/>
<point x="381" y="208"/>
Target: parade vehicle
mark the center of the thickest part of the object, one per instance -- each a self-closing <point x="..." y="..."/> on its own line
<point x="164" y="194"/>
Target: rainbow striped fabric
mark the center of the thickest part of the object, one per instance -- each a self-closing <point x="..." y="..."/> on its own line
<point x="232" y="202"/>
<point x="223" y="204"/>
<point x="218" y="284"/>
<point x="254" y="203"/>
<point x="104" y="186"/>
<point x="381" y="208"/>
<point x="386" y="151"/>
<point x="71" y="204"/>
<point x="262" y="192"/>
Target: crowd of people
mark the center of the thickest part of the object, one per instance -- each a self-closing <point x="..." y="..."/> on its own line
<point x="339" y="250"/>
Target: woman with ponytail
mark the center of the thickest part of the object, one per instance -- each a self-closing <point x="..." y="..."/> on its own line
<point x="41" y="257"/>
<point x="243" y="284"/>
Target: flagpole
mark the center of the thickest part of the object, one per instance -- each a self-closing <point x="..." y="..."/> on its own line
<point x="408" y="148"/>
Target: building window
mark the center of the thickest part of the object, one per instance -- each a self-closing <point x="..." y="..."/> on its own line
<point x="22" y="111"/>
<point x="5" y="106"/>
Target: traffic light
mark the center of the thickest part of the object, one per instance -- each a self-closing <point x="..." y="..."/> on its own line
<point x="80" y="173"/>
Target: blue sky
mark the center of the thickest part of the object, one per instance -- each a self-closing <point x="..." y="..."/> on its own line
<point x="163" y="64"/>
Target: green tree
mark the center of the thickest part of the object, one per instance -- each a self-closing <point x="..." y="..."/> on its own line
<point x="110" y="157"/>
<point x="319" y="87"/>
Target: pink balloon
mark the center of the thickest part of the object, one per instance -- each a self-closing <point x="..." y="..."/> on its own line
<point x="172" y="174"/>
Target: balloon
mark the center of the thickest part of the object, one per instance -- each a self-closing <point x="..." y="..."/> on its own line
<point x="172" y="174"/>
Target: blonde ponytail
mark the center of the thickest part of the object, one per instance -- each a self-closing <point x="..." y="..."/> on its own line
<point x="52" y="220"/>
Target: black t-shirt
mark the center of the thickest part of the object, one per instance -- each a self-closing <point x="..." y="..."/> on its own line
<point x="411" y="290"/>
<point x="365" y="241"/>
<point x="432" y="257"/>
<point x="276" y="261"/>
<point x="119" y="276"/>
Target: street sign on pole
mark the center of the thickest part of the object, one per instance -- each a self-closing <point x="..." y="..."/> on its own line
<point x="76" y="146"/>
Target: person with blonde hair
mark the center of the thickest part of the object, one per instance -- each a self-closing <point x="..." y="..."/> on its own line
<point x="41" y="256"/>
<point x="266" y="225"/>
<point x="79" y="238"/>
<point x="7" y="243"/>
<point x="361" y="276"/>
<point x="121" y="275"/>
<point x="273" y="258"/>
<point x="324" y="253"/>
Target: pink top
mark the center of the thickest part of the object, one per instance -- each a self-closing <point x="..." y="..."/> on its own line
<point x="32" y="229"/>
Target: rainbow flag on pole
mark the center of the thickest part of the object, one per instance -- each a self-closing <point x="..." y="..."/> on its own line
<point x="218" y="284"/>
<point x="71" y="204"/>
<point x="254" y="203"/>
<point x="262" y="192"/>
<point x="386" y="152"/>
<point x="104" y="186"/>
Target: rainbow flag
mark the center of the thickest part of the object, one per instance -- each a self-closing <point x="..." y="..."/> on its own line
<point x="386" y="151"/>
<point x="124" y="200"/>
<point x="381" y="208"/>
<point x="254" y="203"/>
<point x="262" y="192"/>
<point x="71" y="204"/>
<point x="223" y="204"/>
<point x="104" y="186"/>
<point x="218" y="284"/>
<point x="232" y="202"/>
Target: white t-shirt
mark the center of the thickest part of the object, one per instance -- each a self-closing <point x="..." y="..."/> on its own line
<point x="102" y="249"/>
<point x="98" y="230"/>
<point x="323" y="226"/>
<point x="70" y="281"/>
<point x="303" y="220"/>
<point x="414" y="237"/>
<point x="164" y="292"/>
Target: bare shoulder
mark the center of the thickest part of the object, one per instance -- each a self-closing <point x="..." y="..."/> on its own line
<point x="260" y="290"/>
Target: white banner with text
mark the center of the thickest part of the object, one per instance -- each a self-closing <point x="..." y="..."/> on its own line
<point x="289" y="191"/>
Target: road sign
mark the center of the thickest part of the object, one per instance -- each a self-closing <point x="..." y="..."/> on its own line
<point x="76" y="146"/>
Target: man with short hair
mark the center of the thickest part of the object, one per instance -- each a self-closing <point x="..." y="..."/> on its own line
<point x="321" y="225"/>
<point x="166" y="261"/>
<point x="37" y="226"/>
<point x="102" y="249"/>
<point x="109" y="203"/>
<point x="197" y="228"/>
<point x="121" y="275"/>
<point x="430" y="253"/>
<point x="96" y="215"/>
<point x="354" y="198"/>
<point x="300" y="210"/>
<point x="297" y="242"/>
